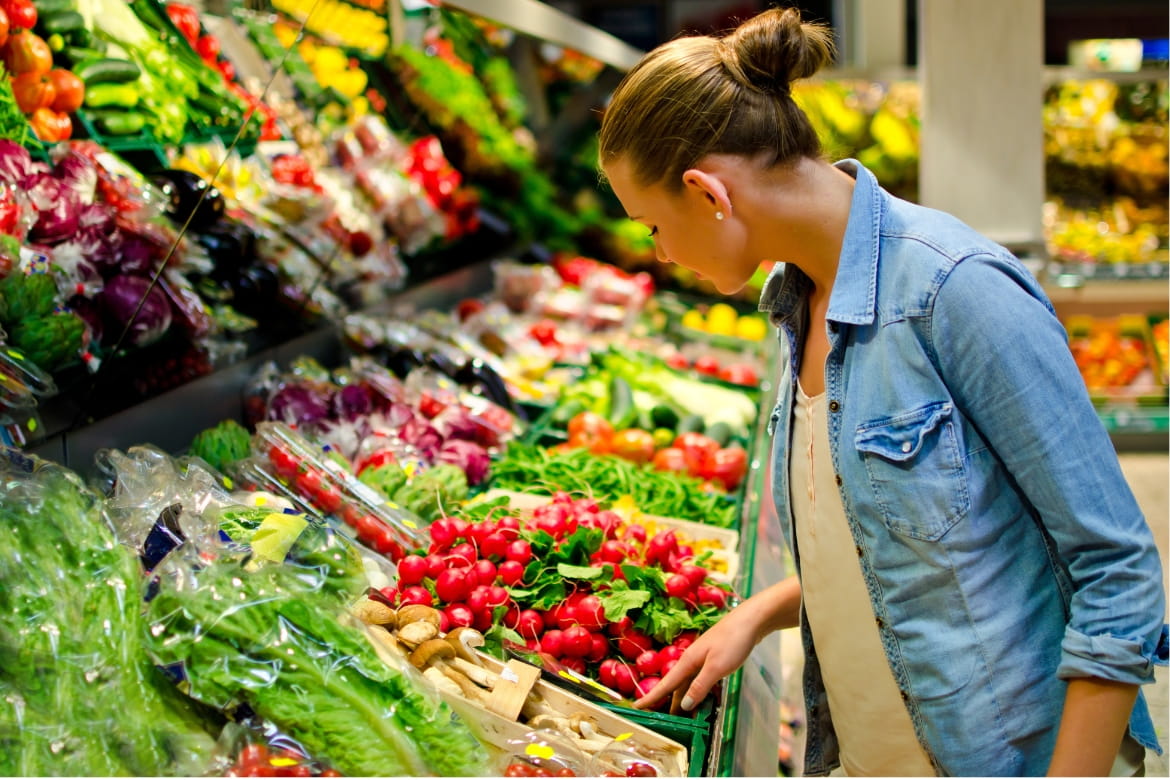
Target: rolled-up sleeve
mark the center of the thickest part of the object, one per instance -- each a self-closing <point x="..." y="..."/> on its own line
<point x="1005" y="358"/>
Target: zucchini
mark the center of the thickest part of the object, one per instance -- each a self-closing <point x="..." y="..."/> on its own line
<point x="622" y="412"/>
<point x="78" y="55"/>
<point x="692" y="423"/>
<point x="107" y="70"/>
<point x="720" y="432"/>
<point x="118" y="122"/>
<point x="664" y="417"/>
<point x="62" y="22"/>
<point x="111" y="96"/>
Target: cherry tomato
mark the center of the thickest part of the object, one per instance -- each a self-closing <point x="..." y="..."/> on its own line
<point x="706" y="364"/>
<point x="590" y="423"/>
<point x="740" y="374"/>
<point x="670" y="459"/>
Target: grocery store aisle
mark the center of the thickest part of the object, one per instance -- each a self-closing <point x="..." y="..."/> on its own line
<point x="1147" y="475"/>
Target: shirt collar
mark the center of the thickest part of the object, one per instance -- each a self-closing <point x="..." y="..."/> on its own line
<point x="855" y="288"/>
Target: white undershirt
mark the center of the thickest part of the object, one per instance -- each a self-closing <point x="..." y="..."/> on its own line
<point x="872" y="724"/>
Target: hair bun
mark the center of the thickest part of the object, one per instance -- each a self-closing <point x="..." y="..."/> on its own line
<point x="770" y="50"/>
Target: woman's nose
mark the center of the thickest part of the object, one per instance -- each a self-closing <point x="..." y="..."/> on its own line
<point x="662" y="258"/>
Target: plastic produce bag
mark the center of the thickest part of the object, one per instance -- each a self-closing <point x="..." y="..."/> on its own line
<point x="78" y="694"/>
<point x="285" y="651"/>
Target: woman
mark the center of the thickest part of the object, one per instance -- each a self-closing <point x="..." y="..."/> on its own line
<point x="977" y="589"/>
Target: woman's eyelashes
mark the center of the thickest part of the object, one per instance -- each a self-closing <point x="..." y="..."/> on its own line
<point x="653" y="232"/>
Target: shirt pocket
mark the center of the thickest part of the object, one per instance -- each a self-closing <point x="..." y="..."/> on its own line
<point x="915" y="469"/>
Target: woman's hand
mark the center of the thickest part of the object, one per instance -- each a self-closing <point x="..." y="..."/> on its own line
<point x="725" y="646"/>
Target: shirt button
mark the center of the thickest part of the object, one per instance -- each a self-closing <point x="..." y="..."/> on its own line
<point x="859" y="553"/>
<point x="834" y="406"/>
<point x="880" y="624"/>
<point x="905" y="696"/>
<point x="907" y="446"/>
<point x="839" y="480"/>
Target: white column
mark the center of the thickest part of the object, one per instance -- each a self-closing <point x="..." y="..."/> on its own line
<point x="873" y="33"/>
<point x="981" y="68"/>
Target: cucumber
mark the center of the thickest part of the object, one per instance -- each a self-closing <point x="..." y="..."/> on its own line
<point x="118" y="122"/>
<point x="720" y="432"/>
<point x="692" y="423"/>
<point x="561" y="416"/>
<point x="107" y="70"/>
<point x="645" y="419"/>
<point x="48" y="7"/>
<point x="78" y="55"/>
<point x="62" y="22"/>
<point x="622" y="412"/>
<point x="664" y="417"/>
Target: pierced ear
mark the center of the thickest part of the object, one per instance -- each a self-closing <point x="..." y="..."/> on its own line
<point x="710" y="187"/>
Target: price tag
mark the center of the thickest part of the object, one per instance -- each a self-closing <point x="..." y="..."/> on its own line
<point x="539" y="751"/>
<point x="623" y="736"/>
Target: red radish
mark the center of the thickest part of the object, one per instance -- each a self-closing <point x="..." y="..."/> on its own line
<point x="561" y="497"/>
<point x="646" y="684"/>
<point x="494" y="545"/>
<point x="696" y="575"/>
<point x="529" y="624"/>
<point x="483" y="621"/>
<point x="519" y="551"/>
<point x="666" y="667"/>
<point x="670" y="653"/>
<point x="577" y="641"/>
<point x="553" y="642"/>
<point x="417" y="595"/>
<point x="412" y="569"/>
<point x="590" y="613"/>
<point x="533" y="645"/>
<point x="459" y="527"/>
<point x="462" y="554"/>
<point x="435" y="566"/>
<point x="511" y="618"/>
<point x="509" y="528"/>
<point x="619" y="627"/>
<point x="511" y="572"/>
<point x="606" y="672"/>
<point x="485" y="572"/>
<point x="599" y="650"/>
<point x="637" y="533"/>
<point x="442" y="533"/>
<point x="623" y="679"/>
<point x="686" y="552"/>
<point x="583" y="505"/>
<point x="444" y="622"/>
<point x="478" y="598"/>
<point x="480" y="531"/>
<point x="647" y="663"/>
<point x="390" y="593"/>
<point x="612" y="552"/>
<point x="497" y="597"/>
<point x="574" y="663"/>
<point x="633" y="643"/>
<point x="460" y="615"/>
<point x="678" y="586"/>
<point x="452" y="585"/>
<point x="711" y="596"/>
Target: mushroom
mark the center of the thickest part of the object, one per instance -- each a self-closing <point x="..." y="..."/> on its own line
<point x="464" y="640"/>
<point x="432" y="654"/>
<point x="584" y="724"/>
<point x="375" y="613"/>
<point x="440" y="681"/>
<point x="417" y="624"/>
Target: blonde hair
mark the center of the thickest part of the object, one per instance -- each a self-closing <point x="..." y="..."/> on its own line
<point x="703" y="95"/>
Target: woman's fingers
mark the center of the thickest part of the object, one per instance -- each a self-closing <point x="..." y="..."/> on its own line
<point x="677" y="678"/>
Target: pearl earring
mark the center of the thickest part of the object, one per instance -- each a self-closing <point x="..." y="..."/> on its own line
<point x="719" y="215"/>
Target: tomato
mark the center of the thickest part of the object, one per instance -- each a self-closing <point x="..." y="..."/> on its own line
<point x="670" y="459"/>
<point x="696" y="447"/>
<point x="518" y="769"/>
<point x="678" y="361"/>
<point x="641" y="768"/>
<point x="33" y="91"/>
<point x="544" y="333"/>
<point x="740" y="374"/>
<point x="70" y="91"/>
<point x="207" y="47"/>
<point x="633" y="444"/>
<point x="590" y="423"/>
<point x="309" y="482"/>
<point x="27" y="52"/>
<point x="706" y="364"/>
<point x="726" y="466"/>
<point x="22" y="14"/>
<point x="328" y="498"/>
<point x="4" y="25"/>
<point x="594" y="442"/>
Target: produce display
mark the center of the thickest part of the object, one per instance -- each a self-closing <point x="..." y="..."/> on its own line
<point x="1119" y="358"/>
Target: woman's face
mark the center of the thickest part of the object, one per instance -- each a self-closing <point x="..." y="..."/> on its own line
<point x="685" y="229"/>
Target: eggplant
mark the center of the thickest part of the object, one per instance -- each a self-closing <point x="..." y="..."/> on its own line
<point x="190" y="198"/>
<point x="475" y="373"/>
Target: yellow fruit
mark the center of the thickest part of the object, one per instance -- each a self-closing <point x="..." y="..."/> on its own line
<point x="693" y="319"/>
<point x="751" y="328"/>
<point x="721" y="319"/>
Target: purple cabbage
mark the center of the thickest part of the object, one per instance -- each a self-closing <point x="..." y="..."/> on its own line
<point x="398" y="414"/>
<point x="119" y="301"/>
<point x="421" y="435"/>
<point x="135" y="255"/>
<point x="457" y="423"/>
<point x="469" y="456"/>
<point x="58" y="207"/>
<point x="16" y="164"/>
<point x="353" y="402"/>
<point x="298" y="404"/>
<point x="78" y="173"/>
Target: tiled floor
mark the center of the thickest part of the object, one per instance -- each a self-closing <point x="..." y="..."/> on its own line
<point x="1148" y="478"/>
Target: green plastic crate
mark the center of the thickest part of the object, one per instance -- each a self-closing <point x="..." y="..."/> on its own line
<point x="692" y="733"/>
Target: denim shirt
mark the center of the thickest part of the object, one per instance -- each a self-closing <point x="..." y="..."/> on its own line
<point x="1001" y="546"/>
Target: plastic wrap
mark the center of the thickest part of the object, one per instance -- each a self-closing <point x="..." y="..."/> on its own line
<point x="78" y="694"/>
<point x="544" y="753"/>
<point x="334" y="490"/>
<point x="263" y="751"/>
<point x="285" y="652"/>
